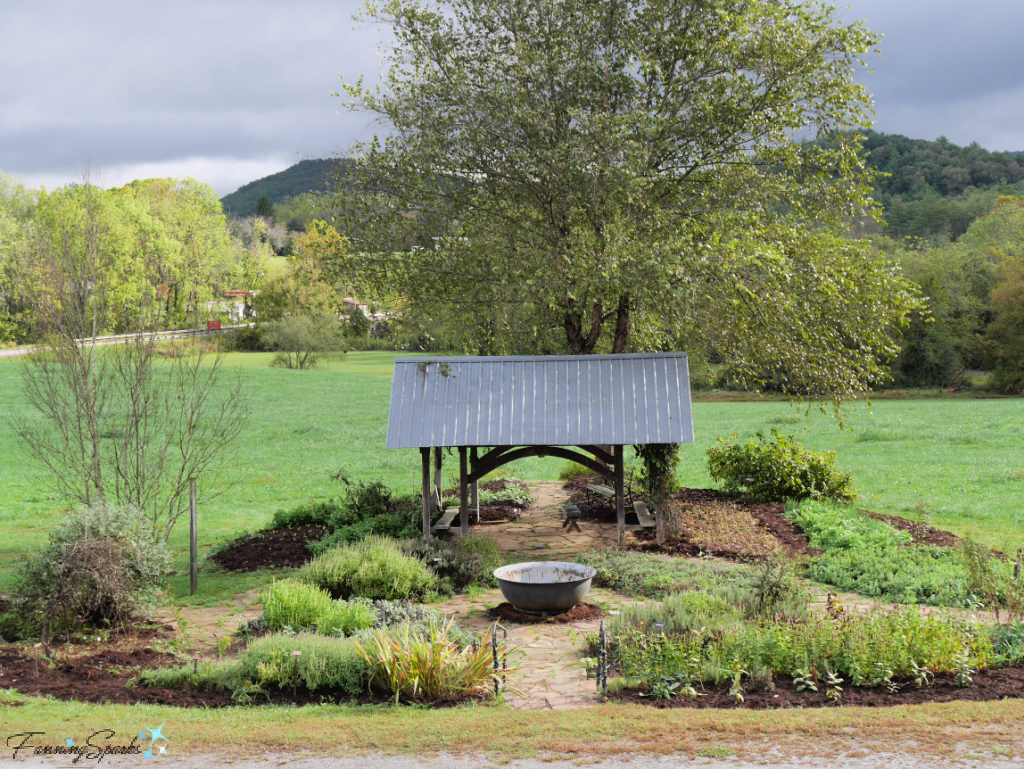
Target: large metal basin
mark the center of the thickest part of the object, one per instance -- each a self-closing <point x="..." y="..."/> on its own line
<point x="544" y="587"/>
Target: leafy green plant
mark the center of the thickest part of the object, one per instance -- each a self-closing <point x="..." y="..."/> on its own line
<point x="428" y="665"/>
<point x="636" y="574"/>
<point x="777" y="469"/>
<point x="372" y="568"/>
<point x="288" y="603"/>
<point x="218" y="676"/>
<point x="346" y="618"/>
<point x="324" y="663"/>
<point x="803" y="680"/>
<point x="572" y="470"/>
<point x="460" y="563"/>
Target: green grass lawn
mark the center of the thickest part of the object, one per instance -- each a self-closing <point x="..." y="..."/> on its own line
<point x="961" y="459"/>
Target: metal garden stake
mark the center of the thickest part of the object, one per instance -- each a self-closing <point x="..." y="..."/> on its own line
<point x="494" y="651"/>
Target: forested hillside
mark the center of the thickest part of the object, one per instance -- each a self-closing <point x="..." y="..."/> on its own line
<point x="303" y="177"/>
<point x="934" y="189"/>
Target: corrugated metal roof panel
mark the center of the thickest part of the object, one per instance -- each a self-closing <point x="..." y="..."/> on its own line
<point x="540" y="401"/>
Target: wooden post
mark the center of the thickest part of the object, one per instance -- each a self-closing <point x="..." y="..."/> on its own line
<point x="659" y="512"/>
<point x="425" y="493"/>
<point x="463" y="493"/>
<point x="436" y="492"/>
<point x="193" y="540"/>
<point x="620" y="497"/>
<point x="475" y="488"/>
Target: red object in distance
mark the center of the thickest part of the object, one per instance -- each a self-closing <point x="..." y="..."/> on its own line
<point x="213" y="325"/>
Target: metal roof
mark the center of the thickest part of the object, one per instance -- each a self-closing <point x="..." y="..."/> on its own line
<point x="578" y="400"/>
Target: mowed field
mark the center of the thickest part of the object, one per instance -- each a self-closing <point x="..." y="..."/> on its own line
<point x="962" y="459"/>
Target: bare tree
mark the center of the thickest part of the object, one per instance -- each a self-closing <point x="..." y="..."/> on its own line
<point x="118" y="424"/>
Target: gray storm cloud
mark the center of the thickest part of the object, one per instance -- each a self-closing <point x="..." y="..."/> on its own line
<point x="229" y="91"/>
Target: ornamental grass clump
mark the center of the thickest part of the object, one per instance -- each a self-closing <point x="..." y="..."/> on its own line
<point x="373" y="568"/>
<point x="216" y="676"/>
<point x="430" y="665"/>
<point x="292" y="604"/>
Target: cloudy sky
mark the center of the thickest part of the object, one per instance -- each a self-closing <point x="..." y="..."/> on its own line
<point x="230" y="91"/>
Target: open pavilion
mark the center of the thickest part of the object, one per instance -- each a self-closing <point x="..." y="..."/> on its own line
<point x="495" y="410"/>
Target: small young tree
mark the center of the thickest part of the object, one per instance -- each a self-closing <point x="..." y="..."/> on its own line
<point x="302" y="341"/>
<point x="265" y="208"/>
<point x="658" y="476"/>
<point x="111" y="425"/>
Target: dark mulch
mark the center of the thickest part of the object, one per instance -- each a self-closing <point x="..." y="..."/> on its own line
<point x="504" y="612"/>
<point x="593" y="507"/>
<point x="102" y="677"/>
<point x="271" y="548"/>
<point x="769" y="517"/>
<point x="923" y="535"/>
<point x="987" y="685"/>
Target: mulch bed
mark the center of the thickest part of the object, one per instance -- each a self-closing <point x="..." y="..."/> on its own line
<point x="271" y="548"/>
<point x="923" y="535"/>
<point x="100" y="677"/>
<point x="505" y="612"/>
<point x="987" y="685"/>
<point x="769" y="517"/>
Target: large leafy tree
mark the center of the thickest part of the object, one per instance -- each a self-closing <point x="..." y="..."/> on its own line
<point x="633" y="173"/>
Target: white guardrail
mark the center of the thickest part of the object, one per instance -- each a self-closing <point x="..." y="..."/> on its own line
<point x="179" y="334"/>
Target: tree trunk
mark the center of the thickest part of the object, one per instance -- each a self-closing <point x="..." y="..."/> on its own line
<point x="578" y="343"/>
<point x="621" y="325"/>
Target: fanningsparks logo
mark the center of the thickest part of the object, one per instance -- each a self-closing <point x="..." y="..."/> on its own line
<point x="95" y="747"/>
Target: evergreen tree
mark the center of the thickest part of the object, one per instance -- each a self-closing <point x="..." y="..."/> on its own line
<point x="265" y="208"/>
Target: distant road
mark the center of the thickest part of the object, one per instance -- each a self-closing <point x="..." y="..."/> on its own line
<point x="114" y="339"/>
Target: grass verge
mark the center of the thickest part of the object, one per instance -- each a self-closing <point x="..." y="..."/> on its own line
<point x="940" y="730"/>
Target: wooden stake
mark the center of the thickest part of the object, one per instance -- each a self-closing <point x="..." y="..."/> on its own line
<point x="193" y="540"/>
<point x="425" y="492"/>
<point x="620" y="497"/>
<point x="463" y="493"/>
<point x="475" y="488"/>
<point x="437" y="478"/>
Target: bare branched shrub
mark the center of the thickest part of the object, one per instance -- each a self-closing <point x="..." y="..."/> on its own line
<point x="101" y="564"/>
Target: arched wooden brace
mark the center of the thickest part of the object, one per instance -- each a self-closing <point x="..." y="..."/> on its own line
<point x="494" y="459"/>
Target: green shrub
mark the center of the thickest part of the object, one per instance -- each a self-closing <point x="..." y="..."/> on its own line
<point x="287" y="603"/>
<point x="1008" y="642"/>
<point x="778" y="469"/>
<point x="572" y="470"/>
<point x="246" y="339"/>
<point x="325" y="663"/>
<point x="372" y="568"/>
<point x="315" y="513"/>
<point x="345" y="618"/>
<point x="218" y="676"/>
<point x="102" y="563"/>
<point x="459" y="563"/>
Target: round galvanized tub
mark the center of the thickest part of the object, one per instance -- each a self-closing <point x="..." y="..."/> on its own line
<point x="544" y="587"/>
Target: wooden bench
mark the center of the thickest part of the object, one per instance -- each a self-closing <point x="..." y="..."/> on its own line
<point x="570" y="515"/>
<point x="643" y="516"/>
<point x="603" y="491"/>
<point x="446" y="520"/>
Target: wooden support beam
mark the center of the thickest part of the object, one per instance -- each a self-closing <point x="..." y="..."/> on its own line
<point x="475" y="487"/>
<point x="620" y="497"/>
<point x="495" y="459"/>
<point x="425" y="493"/>
<point x="463" y="492"/>
<point x="436" y="492"/>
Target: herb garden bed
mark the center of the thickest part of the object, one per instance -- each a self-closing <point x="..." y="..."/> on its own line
<point x="987" y="685"/>
<point x="102" y="677"/>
